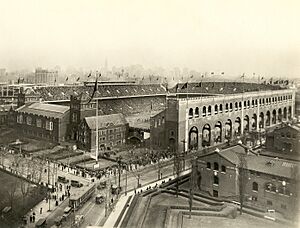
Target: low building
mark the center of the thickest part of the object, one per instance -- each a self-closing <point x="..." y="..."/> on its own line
<point x="41" y="120"/>
<point x="285" y="140"/>
<point x="264" y="182"/>
<point x="113" y="130"/>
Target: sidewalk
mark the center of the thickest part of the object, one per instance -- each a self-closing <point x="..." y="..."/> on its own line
<point x="111" y="220"/>
<point x="43" y="207"/>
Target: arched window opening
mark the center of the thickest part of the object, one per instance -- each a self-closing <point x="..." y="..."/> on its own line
<point x="208" y="165"/>
<point x="254" y="186"/>
<point x="223" y="168"/>
<point x="216" y="180"/>
<point x="209" y="111"/>
<point x="191" y="114"/>
<point x="216" y="109"/>
<point x="216" y="166"/>
<point x="196" y="112"/>
<point x="204" y="111"/>
<point x="221" y="108"/>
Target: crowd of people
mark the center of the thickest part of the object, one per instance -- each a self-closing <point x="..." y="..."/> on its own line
<point x="222" y="87"/>
<point x="51" y="93"/>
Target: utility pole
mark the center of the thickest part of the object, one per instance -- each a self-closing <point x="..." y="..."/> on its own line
<point x="49" y="184"/>
<point x="126" y="180"/>
<point x="119" y="171"/>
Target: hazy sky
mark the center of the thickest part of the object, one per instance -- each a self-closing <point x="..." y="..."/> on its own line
<point x="234" y="36"/>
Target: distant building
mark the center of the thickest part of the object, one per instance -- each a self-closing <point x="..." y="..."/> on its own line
<point x="269" y="183"/>
<point x="113" y="131"/>
<point x="43" y="76"/>
<point x="41" y="120"/>
<point x="2" y="73"/>
<point x="285" y="139"/>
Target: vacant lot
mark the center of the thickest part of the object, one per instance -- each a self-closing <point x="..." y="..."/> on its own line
<point x="18" y="194"/>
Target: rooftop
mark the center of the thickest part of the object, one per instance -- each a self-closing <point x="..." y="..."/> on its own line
<point x="43" y="109"/>
<point x="263" y="164"/>
<point x="105" y="121"/>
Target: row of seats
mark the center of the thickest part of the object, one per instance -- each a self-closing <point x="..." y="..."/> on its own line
<point x="51" y="93"/>
<point x="221" y="87"/>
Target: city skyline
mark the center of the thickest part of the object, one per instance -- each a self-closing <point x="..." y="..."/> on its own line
<point x="233" y="37"/>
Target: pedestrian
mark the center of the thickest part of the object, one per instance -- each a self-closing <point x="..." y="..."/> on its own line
<point x="41" y="210"/>
<point x="134" y="191"/>
<point x="56" y="203"/>
<point x="30" y="219"/>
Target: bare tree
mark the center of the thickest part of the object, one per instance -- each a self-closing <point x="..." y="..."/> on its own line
<point x="11" y="191"/>
<point x="24" y="185"/>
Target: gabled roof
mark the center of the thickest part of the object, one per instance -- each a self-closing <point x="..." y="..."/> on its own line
<point x="262" y="164"/>
<point x="294" y="127"/>
<point x="44" y="109"/>
<point x="105" y="121"/>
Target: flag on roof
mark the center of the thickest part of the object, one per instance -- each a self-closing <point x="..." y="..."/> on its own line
<point x="94" y="91"/>
<point x="212" y="72"/>
<point x="78" y="79"/>
<point x="222" y="73"/>
<point x="89" y="75"/>
<point x="192" y="76"/>
<point x="234" y="89"/>
<point x="67" y="79"/>
<point x="243" y="75"/>
<point x="221" y="89"/>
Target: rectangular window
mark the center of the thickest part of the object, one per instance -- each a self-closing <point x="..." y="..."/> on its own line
<point x="38" y="122"/>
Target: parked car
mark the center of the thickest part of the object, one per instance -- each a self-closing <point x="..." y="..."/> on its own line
<point x="62" y="179"/>
<point x="99" y="199"/>
<point x="78" y="221"/>
<point x="75" y="183"/>
<point x="67" y="212"/>
<point x="101" y="185"/>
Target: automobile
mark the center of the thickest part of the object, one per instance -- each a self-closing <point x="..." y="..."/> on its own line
<point x="101" y="185"/>
<point x="78" y="221"/>
<point x="99" y="199"/>
<point x="67" y="212"/>
<point x="75" y="183"/>
<point x="58" y="221"/>
<point x="41" y="223"/>
<point x="62" y="179"/>
<point x="115" y="189"/>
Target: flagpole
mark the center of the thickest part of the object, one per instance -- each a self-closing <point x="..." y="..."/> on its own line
<point x="97" y="124"/>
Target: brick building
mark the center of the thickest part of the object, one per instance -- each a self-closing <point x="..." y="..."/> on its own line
<point x="41" y="120"/>
<point x="285" y="139"/>
<point x="113" y="130"/>
<point x="269" y="183"/>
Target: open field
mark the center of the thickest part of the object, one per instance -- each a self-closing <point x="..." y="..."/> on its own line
<point x="20" y="195"/>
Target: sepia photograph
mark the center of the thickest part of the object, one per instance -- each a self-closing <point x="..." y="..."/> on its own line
<point x="149" y="114"/>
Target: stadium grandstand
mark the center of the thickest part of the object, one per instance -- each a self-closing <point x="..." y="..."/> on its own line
<point x="214" y="88"/>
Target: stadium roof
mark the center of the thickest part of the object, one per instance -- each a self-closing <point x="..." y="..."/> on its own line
<point x="262" y="164"/>
<point x="43" y="109"/>
<point x="106" y="121"/>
